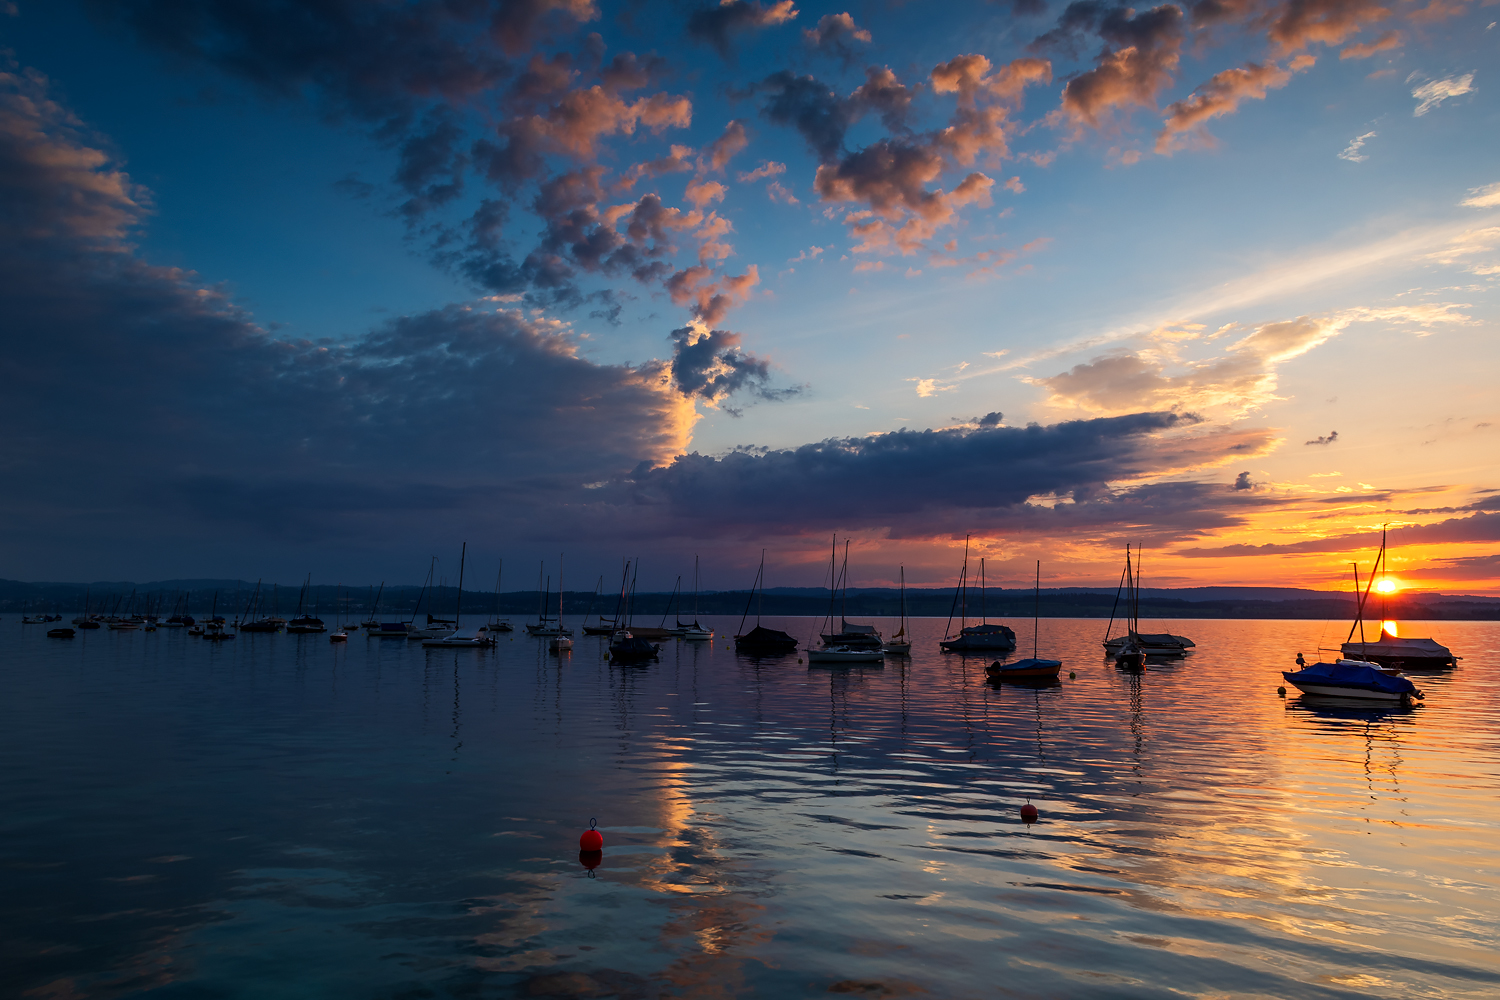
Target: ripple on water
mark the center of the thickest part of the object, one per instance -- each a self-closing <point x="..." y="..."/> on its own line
<point x="279" y="816"/>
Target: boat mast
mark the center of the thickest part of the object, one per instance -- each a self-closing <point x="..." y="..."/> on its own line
<point x="963" y="607"/>
<point x="844" y="579"/>
<point x="902" y="633"/>
<point x="458" y="609"/>
<point x="1036" y="615"/>
<point x="559" y="590"/>
<point x="984" y="615"/>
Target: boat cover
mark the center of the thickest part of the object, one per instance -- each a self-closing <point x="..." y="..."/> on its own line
<point x="986" y="630"/>
<point x="762" y="636"/>
<point x="1352" y="674"/>
<point x="1394" y="646"/>
<point x="854" y="629"/>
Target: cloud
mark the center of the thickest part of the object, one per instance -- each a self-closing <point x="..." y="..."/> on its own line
<point x="1435" y="92"/>
<point x="731" y="141"/>
<point x="1221" y="95"/>
<point x="1364" y="50"/>
<point x="290" y="439"/>
<point x="1475" y="528"/>
<point x="930" y="483"/>
<point x="1242" y="482"/>
<point x="1487" y="196"/>
<point x="1235" y="383"/>
<point x="1352" y="152"/>
<point x="718" y="25"/>
<point x="1329" y="438"/>
<point x="1140" y="56"/>
<point x="1299" y="23"/>
<point x="768" y="169"/>
<point x="834" y="34"/>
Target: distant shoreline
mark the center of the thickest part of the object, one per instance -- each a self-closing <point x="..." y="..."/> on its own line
<point x="165" y="597"/>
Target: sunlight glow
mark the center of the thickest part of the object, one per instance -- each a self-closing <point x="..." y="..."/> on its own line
<point x="1387" y="586"/>
<point x="1389" y="628"/>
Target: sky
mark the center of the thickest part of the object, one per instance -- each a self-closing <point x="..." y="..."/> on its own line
<point x="335" y="286"/>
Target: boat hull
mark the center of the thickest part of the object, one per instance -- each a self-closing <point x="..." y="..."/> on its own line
<point x="845" y="654"/>
<point x="1027" y="669"/>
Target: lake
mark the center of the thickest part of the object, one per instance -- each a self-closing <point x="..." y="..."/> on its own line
<point x="279" y="816"/>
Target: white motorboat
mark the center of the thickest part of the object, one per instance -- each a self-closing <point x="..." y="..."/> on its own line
<point x="1352" y="679"/>
<point x="561" y="644"/>
<point x="468" y="639"/>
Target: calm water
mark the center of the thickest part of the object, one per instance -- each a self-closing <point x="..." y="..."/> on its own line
<point x="278" y="816"/>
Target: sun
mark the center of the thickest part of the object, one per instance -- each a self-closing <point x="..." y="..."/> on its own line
<point x="1387" y="587"/>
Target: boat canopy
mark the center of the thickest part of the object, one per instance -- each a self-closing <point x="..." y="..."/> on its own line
<point x="853" y="629"/>
<point x="985" y="630"/>
<point x="1353" y="674"/>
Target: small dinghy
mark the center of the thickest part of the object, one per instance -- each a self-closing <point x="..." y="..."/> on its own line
<point x="1030" y="669"/>
<point x="1352" y="679"/>
<point x="59" y="633"/>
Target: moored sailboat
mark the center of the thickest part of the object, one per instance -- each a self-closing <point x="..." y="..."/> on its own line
<point x="1033" y="667"/>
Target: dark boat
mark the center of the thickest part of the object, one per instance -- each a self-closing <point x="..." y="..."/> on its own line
<point x="1391" y="650"/>
<point x="1033" y="667"/>
<point x="981" y="638"/>
<point x="1352" y="679"/>
<point x="765" y="640"/>
<point x="850" y="635"/>
<point x="59" y="633"/>
<point x="760" y="640"/>
<point x="630" y="649"/>
<point x="1158" y="644"/>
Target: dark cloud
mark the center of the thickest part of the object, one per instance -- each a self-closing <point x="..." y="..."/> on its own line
<point x="371" y="58"/>
<point x="209" y="423"/>
<point x="813" y="108"/>
<point x="1137" y="64"/>
<point x="835" y="35"/>
<point x="1475" y="528"/>
<point x="910" y="481"/>
<point x="991" y="419"/>
<point x="1460" y="568"/>
<point x="1329" y="438"/>
<point x="432" y="165"/>
<point x="712" y="366"/>
<point x="719" y="24"/>
<point x="1242" y="482"/>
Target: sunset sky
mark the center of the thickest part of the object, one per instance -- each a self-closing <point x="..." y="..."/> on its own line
<point x="334" y="285"/>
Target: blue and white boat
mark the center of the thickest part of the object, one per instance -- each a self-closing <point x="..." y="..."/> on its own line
<point x="1352" y="679"/>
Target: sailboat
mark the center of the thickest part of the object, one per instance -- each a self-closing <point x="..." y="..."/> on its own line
<point x="899" y="644"/>
<point x="760" y="640"/>
<point x="1129" y="652"/>
<point x="436" y="628"/>
<point x="625" y="647"/>
<point x="850" y="634"/>
<point x="1150" y="643"/>
<point x="695" y="631"/>
<point x="302" y="624"/>
<point x="214" y="630"/>
<point x="546" y="626"/>
<point x="497" y="624"/>
<point x="456" y="637"/>
<point x="1347" y="677"/>
<point x="340" y="632"/>
<point x="1033" y="667"/>
<point x="981" y="638"/>
<point x="375" y="628"/>
<point x="1391" y="650"/>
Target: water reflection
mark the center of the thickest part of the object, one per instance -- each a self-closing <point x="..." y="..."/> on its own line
<point x="378" y="819"/>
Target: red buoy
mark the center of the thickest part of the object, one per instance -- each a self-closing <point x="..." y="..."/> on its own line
<point x="592" y="839"/>
<point x="1028" y="813"/>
